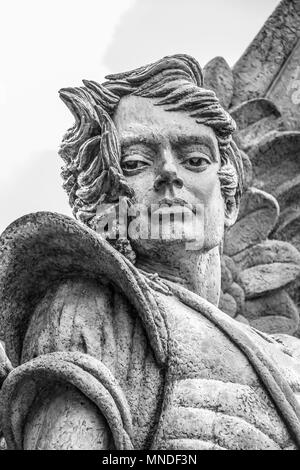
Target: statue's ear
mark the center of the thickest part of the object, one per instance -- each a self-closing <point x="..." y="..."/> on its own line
<point x="231" y="211"/>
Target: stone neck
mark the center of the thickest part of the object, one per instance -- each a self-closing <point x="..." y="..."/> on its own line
<point x="199" y="273"/>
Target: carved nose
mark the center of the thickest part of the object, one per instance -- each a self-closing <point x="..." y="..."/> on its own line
<point x="168" y="177"/>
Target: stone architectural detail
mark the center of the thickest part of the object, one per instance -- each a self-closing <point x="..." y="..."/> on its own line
<point x="261" y="95"/>
<point x="186" y="339"/>
<point x="262" y="67"/>
<point x="218" y="77"/>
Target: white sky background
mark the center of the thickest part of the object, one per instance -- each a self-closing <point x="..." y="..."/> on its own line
<point x="47" y="45"/>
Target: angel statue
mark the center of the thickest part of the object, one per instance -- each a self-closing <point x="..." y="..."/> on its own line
<point x="118" y="332"/>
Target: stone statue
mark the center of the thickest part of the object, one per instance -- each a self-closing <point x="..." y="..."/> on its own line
<point x="114" y="337"/>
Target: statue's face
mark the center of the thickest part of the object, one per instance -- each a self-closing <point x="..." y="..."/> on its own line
<point x="170" y="160"/>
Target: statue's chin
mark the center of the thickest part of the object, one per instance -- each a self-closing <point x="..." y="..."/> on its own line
<point x="166" y="245"/>
<point x="168" y="232"/>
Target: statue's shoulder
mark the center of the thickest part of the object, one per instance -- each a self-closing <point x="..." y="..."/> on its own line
<point x="289" y="345"/>
<point x="45" y="251"/>
<point x="285" y="353"/>
<point x="46" y="256"/>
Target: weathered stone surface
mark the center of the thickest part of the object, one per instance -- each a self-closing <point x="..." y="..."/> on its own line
<point x="2" y="444"/>
<point x="5" y="365"/>
<point x="285" y="90"/>
<point x="195" y="341"/>
<point x="228" y="304"/>
<point x="242" y="319"/>
<point x="258" y="216"/>
<point x="218" y="77"/>
<point x="257" y="69"/>
<point x="273" y="324"/>
<point x="288" y="227"/>
<point x="226" y="275"/>
<point x="119" y="343"/>
<point x="231" y="266"/>
<point x="273" y="313"/>
<point x="252" y="111"/>
<point x="248" y="172"/>
<point x="275" y="160"/>
<point x="255" y="118"/>
<point x="236" y="291"/>
<point x="288" y="194"/>
<point x="252" y="135"/>
<point x="276" y="164"/>
<point x="268" y="252"/>
<point x="266" y="278"/>
<point x="254" y="199"/>
<point x="278" y="303"/>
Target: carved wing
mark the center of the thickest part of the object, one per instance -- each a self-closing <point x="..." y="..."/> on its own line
<point x="261" y="263"/>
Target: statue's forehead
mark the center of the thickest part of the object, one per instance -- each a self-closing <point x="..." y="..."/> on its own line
<point x="138" y="116"/>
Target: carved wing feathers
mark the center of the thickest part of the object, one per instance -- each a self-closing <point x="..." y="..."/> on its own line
<point x="261" y="94"/>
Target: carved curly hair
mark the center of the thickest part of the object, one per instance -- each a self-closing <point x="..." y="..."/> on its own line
<point x="90" y="149"/>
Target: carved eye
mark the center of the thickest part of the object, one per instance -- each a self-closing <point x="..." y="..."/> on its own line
<point x="132" y="165"/>
<point x="197" y="163"/>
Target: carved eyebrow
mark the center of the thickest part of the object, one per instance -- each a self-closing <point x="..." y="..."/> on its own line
<point x="201" y="140"/>
<point x="150" y="141"/>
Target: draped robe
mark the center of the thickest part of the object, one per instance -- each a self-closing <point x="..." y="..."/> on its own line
<point x="105" y="356"/>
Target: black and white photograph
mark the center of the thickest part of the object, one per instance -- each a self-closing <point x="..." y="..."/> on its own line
<point x="150" y="228"/>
